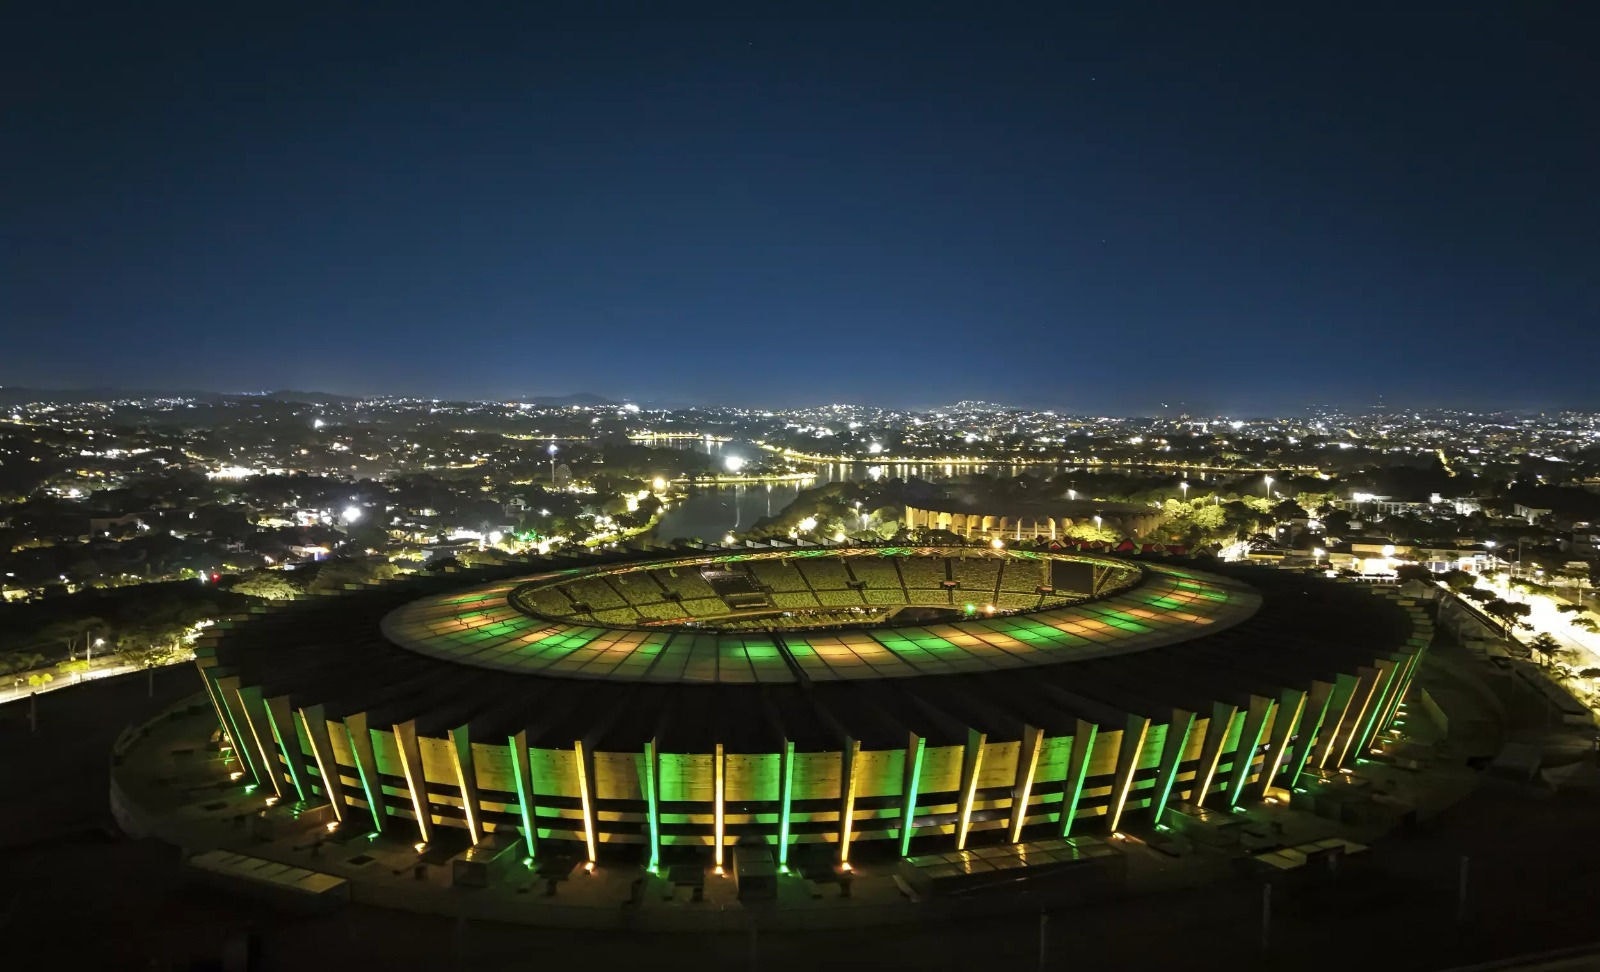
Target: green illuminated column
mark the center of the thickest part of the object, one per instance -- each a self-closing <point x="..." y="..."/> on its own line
<point x="650" y="777"/>
<point x="847" y="804"/>
<point x="971" y="766"/>
<point x="280" y="717"/>
<point x="1133" y="736"/>
<point x="466" y="780"/>
<point x="1290" y="706"/>
<point x="786" y="794"/>
<point x="405" y="744"/>
<point x="1356" y="714"/>
<point x="227" y="689"/>
<point x="1339" y="704"/>
<point x="260" y="730"/>
<point x="1083" y="736"/>
<point x="1022" y="790"/>
<point x="1244" y="754"/>
<point x="1311" y="722"/>
<point x="315" y="722"/>
<point x="1388" y="680"/>
<point x="1217" y="730"/>
<point x="1172" y="751"/>
<point x="355" y="728"/>
<point x="913" y="779"/>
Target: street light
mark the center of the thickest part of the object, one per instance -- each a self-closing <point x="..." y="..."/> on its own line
<point x="88" y="654"/>
<point x="1269" y="486"/>
<point x="1184" y="485"/>
<point x="553" y="450"/>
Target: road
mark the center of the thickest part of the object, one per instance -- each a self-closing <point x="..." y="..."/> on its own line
<point x="13" y="692"/>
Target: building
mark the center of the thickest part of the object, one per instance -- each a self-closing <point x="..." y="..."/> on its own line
<point x="824" y="703"/>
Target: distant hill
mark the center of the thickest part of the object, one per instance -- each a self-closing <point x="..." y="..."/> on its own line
<point x="579" y="398"/>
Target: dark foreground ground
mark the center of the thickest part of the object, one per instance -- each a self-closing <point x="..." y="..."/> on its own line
<point x="72" y="896"/>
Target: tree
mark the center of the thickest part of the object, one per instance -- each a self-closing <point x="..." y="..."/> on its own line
<point x="1459" y="580"/>
<point x="1549" y="649"/>
<point x="1509" y="614"/>
<point x="267" y="584"/>
<point x="1586" y="624"/>
<point x="1416" y="572"/>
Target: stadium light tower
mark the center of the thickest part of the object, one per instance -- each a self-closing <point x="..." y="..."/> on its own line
<point x="1183" y="484"/>
<point x="553" y="450"/>
<point x="1269" y="486"/>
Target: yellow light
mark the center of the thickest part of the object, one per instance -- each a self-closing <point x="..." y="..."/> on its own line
<point x="235" y="774"/>
<point x="997" y="543"/>
<point x="420" y="846"/>
<point x="719" y="870"/>
<point x="589" y="867"/>
<point x="332" y="826"/>
<point x="272" y="801"/>
<point x="846" y="867"/>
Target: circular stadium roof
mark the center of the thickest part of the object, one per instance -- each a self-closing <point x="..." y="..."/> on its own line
<point x="556" y="623"/>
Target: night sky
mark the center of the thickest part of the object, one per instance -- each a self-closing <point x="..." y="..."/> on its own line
<point x="1102" y="212"/>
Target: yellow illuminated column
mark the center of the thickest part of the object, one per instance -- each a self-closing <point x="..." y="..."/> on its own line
<point x="1344" y="693"/>
<point x="1388" y="681"/>
<point x="1356" y="713"/>
<point x="245" y="748"/>
<point x="971" y="766"/>
<point x="847" y="809"/>
<point x="586" y="795"/>
<point x="1133" y="736"/>
<point x="1022" y="790"/>
<point x="466" y="780"/>
<point x="1290" y="706"/>
<point x="1217" y="729"/>
<point x="315" y="723"/>
<point x="405" y="744"/>
<point x="1311" y="726"/>
<point x="260" y="732"/>
<point x="719" y="784"/>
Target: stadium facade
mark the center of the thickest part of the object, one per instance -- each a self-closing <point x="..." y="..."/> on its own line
<point x="821" y="702"/>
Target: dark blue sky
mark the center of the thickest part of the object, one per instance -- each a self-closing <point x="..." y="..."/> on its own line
<point x="1100" y="211"/>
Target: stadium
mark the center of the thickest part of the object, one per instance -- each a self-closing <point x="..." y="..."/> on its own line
<point x="810" y="707"/>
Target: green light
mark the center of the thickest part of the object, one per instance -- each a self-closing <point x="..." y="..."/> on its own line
<point x="366" y="784"/>
<point x="1172" y="771"/>
<point x="524" y="790"/>
<point x="652" y="810"/>
<point x="788" y="791"/>
<point x="972" y="609"/>
<point x="911" y="796"/>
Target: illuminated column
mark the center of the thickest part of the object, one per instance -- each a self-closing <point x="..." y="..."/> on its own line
<point x="1022" y="790"/>
<point x="1409" y="671"/>
<point x="847" y="808"/>
<point x="1356" y="713"/>
<point x="650" y="778"/>
<point x="971" y="766"/>
<point x="466" y="780"/>
<point x="1344" y="691"/>
<point x="915" y="748"/>
<point x="1244" y="754"/>
<point x="785" y="796"/>
<point x="1311" y="722"/>
<point x="719" y="786"/>
<point x="355" y="727"/>
<point x="522" y="778"/>
<point x="260" y="731"/>
<point x="280" y="717"/>
<point x="1083" y="736"/>
<point x="227" y="689"/>
<point x="1291" y="704"/>
<point x="315" y="722"/>
<point x="586" y="795"/>
<point x="1388" y="681"/>
<point x="1217" y="729"/>
<point x="405" y="744"/>
<point x="207" y="664"/>
<point x="1172" y="750"/>
<point x="1133" y="736"/>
